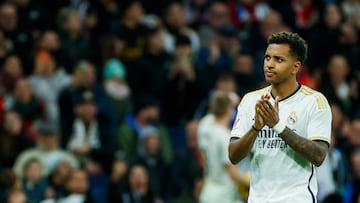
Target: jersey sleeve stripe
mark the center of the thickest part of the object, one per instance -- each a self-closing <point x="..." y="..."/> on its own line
<point x="236" y="135"/>
<point x="234" y="138"/>
<point x="319" y="137"/>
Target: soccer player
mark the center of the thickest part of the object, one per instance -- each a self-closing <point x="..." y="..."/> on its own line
<point x="285" y="127"/>
<point x="221" y="177"/>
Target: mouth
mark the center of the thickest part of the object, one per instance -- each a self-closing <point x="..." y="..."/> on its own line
<point x="269" y="73"/>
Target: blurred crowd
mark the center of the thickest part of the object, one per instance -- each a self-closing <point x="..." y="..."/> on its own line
<point x="100" y="100"/>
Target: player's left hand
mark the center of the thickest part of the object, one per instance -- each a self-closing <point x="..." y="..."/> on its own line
<point x="269" y="112"/>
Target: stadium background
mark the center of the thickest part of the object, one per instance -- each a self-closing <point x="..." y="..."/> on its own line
<point x="144" y="70"/>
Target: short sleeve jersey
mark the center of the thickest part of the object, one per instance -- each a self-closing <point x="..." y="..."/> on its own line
<point x="278" y="173"/>
<point x="213" y="141"/>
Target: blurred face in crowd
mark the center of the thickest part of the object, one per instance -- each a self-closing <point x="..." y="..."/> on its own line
<point x="22" y="90"/>
<point x="12" y="66"/>
<point x="60" y="173"/>
<point x="12" y="123"/>
<point x="226" y="84"/>
<point x="243" y="64"/>
<point x="45" y="64"/>
<point x="33" y="171"/>
<point x="77" y="183"/>
<point x="85" y="74"/>
<point x="50" y="41"/>
<point x="135" y="11"/>
<point x="149" y="115"/>
<point x="138" y="179"/>
<point x="8" y="17"/>
<point x="349" y="35"/>
<point x="270" y="24"/>
<point x="338" y="69"/>
<point x="48" y="141"/>
<point x="332" y="16"/>
<point x="156" y="42"/>
<point x="86" y="111"/>
<point x="176" y="16"/>
<point x="152" y="144"/>
<point x="218" y="15"/>
<point x="73" y="23"/>
<point x="17" y="196"/>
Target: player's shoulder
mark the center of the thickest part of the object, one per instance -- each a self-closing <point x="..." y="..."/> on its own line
<point x="309" y="92"/>
<point x="257" y="93"/>
<point x="314" y="96"/>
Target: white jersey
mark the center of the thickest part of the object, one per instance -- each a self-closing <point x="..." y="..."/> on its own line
<point x="214" y="141"/>
<point x="278" y="173"/>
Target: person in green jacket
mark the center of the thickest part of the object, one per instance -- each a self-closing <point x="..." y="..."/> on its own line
<point x="146" y="113"/>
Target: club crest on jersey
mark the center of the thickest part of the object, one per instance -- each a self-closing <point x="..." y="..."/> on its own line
<point x="292" y="118"/>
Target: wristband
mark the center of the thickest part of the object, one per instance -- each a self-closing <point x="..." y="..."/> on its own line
<point x="279" y="127"/>
<point x="253" y="127"/>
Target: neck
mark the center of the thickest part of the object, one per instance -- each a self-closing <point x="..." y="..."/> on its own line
<point x="283" y="90"/>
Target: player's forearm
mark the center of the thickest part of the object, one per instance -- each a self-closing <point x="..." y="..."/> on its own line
<point x="311" y="150"/>
<point x="238" y="149"/>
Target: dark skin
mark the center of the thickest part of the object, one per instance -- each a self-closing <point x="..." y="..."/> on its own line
<point x="280" y="68"/>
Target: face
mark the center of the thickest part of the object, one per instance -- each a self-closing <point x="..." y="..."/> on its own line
<point x="17" y="197"/>
<point x="8" y="17"/>
<point x="48" y="142"/>
<point x="12" y="123"/>
<point x="243" y="64"/>
<point x="50" y="41"/>
<point x="279" y="66"/>
<point x="332" y="16"/>
<point x="156" y="41"/>
<point x="45" y="66"/>
<point x="13" y="66"/>
<point x="135" y="11"/>
<point x="33" y="171"/>
<point x="176" y="17"/>
<point x="22" y="90"/>
<point x="338" y="68"/>
<point x="218" y="15"/>
<point x="138" y="179"/>
<point x="78" y="182"/>
<point x="152" y="144"/>
<point x="150" y="114"/>
<point x="73" y="23"/>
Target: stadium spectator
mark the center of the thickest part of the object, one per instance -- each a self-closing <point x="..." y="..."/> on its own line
<point x="13" y="140"/>
<point x="90" y="138"/>
<point x="47" y="150"/>
<point x="146" y="113"/>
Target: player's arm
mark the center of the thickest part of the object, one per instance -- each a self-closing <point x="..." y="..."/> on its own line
<point x="240" y="147"/>
<point x="314" y="151"/>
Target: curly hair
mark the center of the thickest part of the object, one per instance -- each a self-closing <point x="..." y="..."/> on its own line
<point x="298" y="46"/>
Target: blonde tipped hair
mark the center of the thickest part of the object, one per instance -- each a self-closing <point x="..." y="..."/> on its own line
<point x="219" y="103"/>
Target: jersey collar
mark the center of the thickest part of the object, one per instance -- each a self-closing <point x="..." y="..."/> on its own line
<point x="294" y="92"/>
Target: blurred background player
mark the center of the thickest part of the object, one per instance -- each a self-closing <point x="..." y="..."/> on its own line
<point x="221" y="177"/>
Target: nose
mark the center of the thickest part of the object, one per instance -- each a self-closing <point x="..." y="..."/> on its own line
<point x="269" y="64"/>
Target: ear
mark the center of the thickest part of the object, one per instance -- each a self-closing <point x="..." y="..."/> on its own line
<point x="296" y="67"/>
